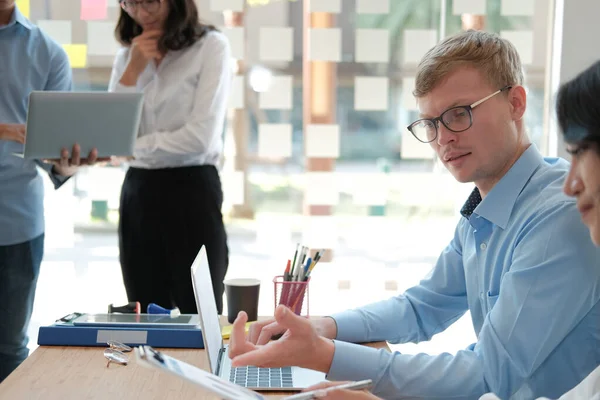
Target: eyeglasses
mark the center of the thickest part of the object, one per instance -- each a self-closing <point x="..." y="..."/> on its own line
<point x="131" y="6"/>
<point x="455" y="119"/>
<point x="116" y="353"/>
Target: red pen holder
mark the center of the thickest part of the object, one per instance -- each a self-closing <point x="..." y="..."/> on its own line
<point x="294" y="295"/>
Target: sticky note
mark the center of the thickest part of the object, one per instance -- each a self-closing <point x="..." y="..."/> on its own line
<point x="275" y="140"/>
<point x="321" y="188"/>
<point x="24" y="7"/>
<point x="238" y="92"/>
<point x="319" y="233"/>
<point x="94" y="10"/>
<point x="476" y="7"/>
<point x="417" y="42"/>
<point x="101" y="38"/>
<point x="372" y="6"/>
<point x="233" y="187"/>
<point x="226" y="5"/>
<point x="226" y="330"/>
<point x="325" y="44"/>
<point x="57" y="30"/>
<point x="329" y="6"/>
<point x="235" y="35"/>
<point x="370" y="189"/>
<point x="523" y="41"/>
<point x="322" y="141"/>
<point x="77" y="55"/>
<point x="366" y="51"/>
<point x="408" y="100"/>
<point x="411" y="148"/>
<point x="276" y="44"/>
<point x="517" y="7"/>
<point x="279" y="94"/>
<point x="371" y="93"/>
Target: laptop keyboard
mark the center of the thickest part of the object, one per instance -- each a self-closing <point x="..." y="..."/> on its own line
<point x="253" y="377"/>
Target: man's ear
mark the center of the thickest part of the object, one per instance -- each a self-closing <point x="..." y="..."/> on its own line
<point x="517" y="98"/>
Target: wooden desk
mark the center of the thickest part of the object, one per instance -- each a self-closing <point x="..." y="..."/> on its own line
<point x="80" y="373"/>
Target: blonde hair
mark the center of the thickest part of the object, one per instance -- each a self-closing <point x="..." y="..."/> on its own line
<point x="496" y="58"/>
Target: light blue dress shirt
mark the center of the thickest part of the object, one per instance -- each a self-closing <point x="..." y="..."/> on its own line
<point x="29" y="60"/>
<point x="525" y="267"/>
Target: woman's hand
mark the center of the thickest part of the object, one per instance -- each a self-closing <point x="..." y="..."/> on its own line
<point x="143" y="49"/>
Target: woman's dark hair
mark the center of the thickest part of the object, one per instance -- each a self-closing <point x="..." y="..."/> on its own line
<point x="182" y="27"/>
<point x="578" y="108"/>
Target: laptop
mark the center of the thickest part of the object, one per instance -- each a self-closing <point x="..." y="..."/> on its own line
<point x="104" y="120"/>
<point x="255" y="378"/>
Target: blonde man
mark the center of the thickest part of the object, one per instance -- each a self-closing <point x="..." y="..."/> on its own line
<point x="520" y="260"/>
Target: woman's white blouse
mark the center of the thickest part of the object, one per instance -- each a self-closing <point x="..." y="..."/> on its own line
<point x="588" y="389"/>
<point x="185" y="102"/>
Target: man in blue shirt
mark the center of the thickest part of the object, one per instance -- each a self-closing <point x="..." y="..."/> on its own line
<point x="520" y="261"/>
<point x="29" y="60"/>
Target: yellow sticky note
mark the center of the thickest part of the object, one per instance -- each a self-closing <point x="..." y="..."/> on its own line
<point x="226" y="330"/>
<point x="23" y="6"/>
<point x="77" y="54"/>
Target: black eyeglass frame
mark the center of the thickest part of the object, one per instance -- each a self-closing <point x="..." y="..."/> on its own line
<point x="435" y="121"/>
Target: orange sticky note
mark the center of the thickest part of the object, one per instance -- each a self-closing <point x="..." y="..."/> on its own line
<point x="23" y="6"/>
<point x="77" y="54"/>
<point x="94" y="10"/>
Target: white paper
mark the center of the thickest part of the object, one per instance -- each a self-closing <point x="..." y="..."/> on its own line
<point x="372" y="6"/>
<point x="517" y="7"/>
<point x="226" y="5"/>
<point x="275" y="140"/>
<point x="235" y="35"/>
<point x="325" y="44"/>
<point x="321" y="189"/>
<point x="101" y="38"/>
<point x="370" y="189"/>
<point x="476" y="7"/>
<point x="372" y="45"/>
<point x="322" y="141"/>
<point x="57" y="30"/>
<point x="371" y="93"/>
<point x="417" y="42"/>
<point x="408" y="100"/>
<point x="279" y="94"/>
<point x="319" y="232"/>
<point x="523" y="41"/>
<point x="276" y="44"/>
<point x="329" y="6"/>
<point x="238" y="92"/>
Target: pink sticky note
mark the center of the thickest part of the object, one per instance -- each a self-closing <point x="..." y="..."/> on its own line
<point x="94" y="9"/>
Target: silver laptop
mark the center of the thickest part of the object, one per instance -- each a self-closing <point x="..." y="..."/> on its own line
<point x="286" y="378"/>
<point x="107" y="121"/>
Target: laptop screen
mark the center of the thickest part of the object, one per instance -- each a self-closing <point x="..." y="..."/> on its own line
<point x="207" y="309"/>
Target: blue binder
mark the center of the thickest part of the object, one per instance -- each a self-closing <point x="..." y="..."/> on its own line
<point x="68" y="335"/>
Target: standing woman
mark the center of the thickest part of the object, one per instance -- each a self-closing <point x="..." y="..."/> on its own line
<point x="171" y="196"/>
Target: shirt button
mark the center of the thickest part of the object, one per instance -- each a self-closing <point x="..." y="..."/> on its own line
<point x="483" y="246"/>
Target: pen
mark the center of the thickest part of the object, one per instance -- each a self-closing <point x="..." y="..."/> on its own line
<point x="304" y="270"/>
<point x="294" y="262"/>
<point x="286" y="273"/>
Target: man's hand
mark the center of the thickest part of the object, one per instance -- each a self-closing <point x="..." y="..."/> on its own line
<point x="300" y="345"/>
<point x="261" y="332"/>
<point x="339" y="394"/>
<point x="143" y="49"/>
<point x="68" y="166"/>
<point x="12" y="132"/>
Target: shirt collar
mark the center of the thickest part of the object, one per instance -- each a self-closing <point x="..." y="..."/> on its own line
<point x="498" y="205"/>
<point x="18" y="17"/>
